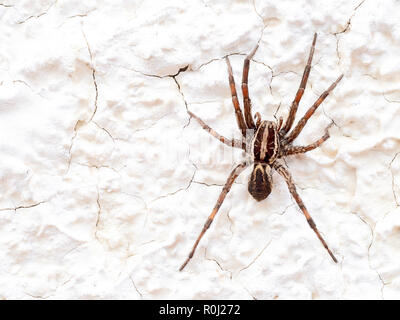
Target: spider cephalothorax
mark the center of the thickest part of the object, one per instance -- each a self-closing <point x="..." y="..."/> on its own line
<point x="269" y="142"/>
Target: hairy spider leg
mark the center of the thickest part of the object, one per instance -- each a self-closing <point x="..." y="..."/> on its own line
<point x="229" y="182"/>
<point x="245" y="89"/>
<point x="232" y="143"/>
<point x="290" y="150"/>
<point x="302" y="122"/>
<point x="238" y="112"/>
<point x="280" y="122"/>
<point x="292" y="189"/>
<point x="300" y="91"/>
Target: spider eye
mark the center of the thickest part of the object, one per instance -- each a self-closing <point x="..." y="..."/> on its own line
<point x="260" y="182"/>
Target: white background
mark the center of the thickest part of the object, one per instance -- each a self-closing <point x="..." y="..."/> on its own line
<point x="105" y="182"/>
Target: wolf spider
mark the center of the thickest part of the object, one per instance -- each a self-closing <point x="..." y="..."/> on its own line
<point x="269" y="142"/>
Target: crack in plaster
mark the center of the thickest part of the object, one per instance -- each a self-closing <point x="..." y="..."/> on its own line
<point x="24" y="206"/>
<point x="272" y="74"/>
<point x="136" y="289"/>
<point x="105" y="130"/>
<point x="82" y="15"/>
<point x="230" y="225"/>
<point x="248" y="291"/>
<point x="214" y="184"/>
<point x="344" y="30"/>
<point x="181" y="69"/>
<point x="222" y="58"/>
<point x="369" y="260"/>
<point x="372" y="231"/>
<point x="98" y="203"/>
<point x="93" y="76"/>
<point x="45" y="297"/>
<point x="27" y="85"/>
<point x="101" y="166"/>
<point x="98" y="213"/>
<point x="228" y="271"/>
<point x="333" y="122"/>
<point x="72" y="250"/>
<point x="218" y="59"/>
<point x="38" y="296"/>
<point x="80" y="123"/>
<point x="180" y="91"/>
<point x="265" y="25"/>
<point x="39" y="15"/>
<point x="152" y="124"/>
<point x="393" y="184"/>
<point x="257" y="13"/>
<point x="219" y="265"/>
<point x="180" y="189"/>
<point x="348" y="24"/>
<point x="173" y="76"/>
<point x="257" y="256"/>
<point x="184" y="101"/>
<point x="286" y="208"/>
<point x="75" y="130"/>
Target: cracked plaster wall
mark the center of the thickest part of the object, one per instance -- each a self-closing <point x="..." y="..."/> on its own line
<point x="106" y="182"/>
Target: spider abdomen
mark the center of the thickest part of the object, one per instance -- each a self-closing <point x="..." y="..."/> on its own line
<point x="260" y="182"/>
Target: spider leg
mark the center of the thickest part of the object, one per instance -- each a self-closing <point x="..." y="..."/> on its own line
<point x="290" y="150"/>
<point x="235" y="101"/>
<point x="258" y="118"/>
<point x="292" y="188"/>
<point x="280" y="121"/>
<point x="232" y="143"/>
<point x="245" y="89"/>
<point x="303" y="121"/>
<point x="229" y="182"/>
<point x="300" y="91"/>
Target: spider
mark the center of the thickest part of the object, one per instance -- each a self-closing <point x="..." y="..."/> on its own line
<point x="268" y="142"/>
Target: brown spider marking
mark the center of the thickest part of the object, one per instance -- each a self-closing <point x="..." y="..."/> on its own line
<point x="266" y="142"/>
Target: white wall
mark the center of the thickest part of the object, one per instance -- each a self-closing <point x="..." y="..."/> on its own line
<point x="105" y="183"/>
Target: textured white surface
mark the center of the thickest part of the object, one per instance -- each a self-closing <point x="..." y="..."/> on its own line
<point x="105" y="183"/>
